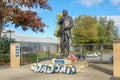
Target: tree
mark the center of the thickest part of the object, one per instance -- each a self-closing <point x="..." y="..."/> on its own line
<point x="110" y="30"/>
<point x="107" y="31"/>
<point x="58" y="16"/>
<point x="10" y="12"/>
<point x="116" y="33"/>
<point x="5" y="48"/>
<point x="92" y="30"/>
<point x="102" y="30"/>
<point x="85" y="30"/>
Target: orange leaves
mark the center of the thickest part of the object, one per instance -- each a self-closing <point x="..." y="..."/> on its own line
<point x="30" y="3"/>
<point x="10" y="12"/>
<point x="28" y="19"/>
<point x="43" y="4"/>
<point x="42" y="1"/>
<point x="7" y="11"/>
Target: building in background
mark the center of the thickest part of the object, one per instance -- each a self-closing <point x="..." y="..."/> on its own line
<point x="31" y="44"/>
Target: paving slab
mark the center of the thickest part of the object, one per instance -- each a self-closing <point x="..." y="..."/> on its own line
<point x="24" y="73"/>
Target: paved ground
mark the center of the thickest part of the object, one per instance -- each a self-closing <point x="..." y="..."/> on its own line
<point x="92" y="72"/>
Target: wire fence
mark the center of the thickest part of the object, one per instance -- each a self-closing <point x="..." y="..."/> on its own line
<point x="89" y="52"/>
<point x="94" y="52"/>
<point x="31" y="53"/>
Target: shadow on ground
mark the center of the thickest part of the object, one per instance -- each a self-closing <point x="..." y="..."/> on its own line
<point x="102" y="69"/>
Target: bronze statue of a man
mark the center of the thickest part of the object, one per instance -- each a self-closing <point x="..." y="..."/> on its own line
<point x="66" y="23"/>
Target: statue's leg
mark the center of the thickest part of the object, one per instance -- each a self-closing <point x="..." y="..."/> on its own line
<point x="67" y="45"/>
<point x="62" y="48"/>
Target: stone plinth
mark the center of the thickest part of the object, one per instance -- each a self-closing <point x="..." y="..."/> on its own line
<point x="14" y="55"/>
<point x="78" y="65"/>
<point x="116" y="57"/>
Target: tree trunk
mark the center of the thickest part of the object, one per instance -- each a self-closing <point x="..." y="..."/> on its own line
<point x="0" y="32"/>
<point x="0" y="36"/>
<point x="1" y="17"/>
<point x="0" y="28"/>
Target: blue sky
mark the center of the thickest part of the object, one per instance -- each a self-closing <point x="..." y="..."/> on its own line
<point x="109" y="8"/>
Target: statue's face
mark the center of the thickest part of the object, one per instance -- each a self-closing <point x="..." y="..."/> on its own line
<point x="64" y="12"/>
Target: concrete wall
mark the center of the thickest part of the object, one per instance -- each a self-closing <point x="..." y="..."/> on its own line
<point x="14" y="55"/>
<point x="116" y="64"/>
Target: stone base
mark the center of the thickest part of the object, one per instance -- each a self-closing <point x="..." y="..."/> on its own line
<point x="115" y="78"/>
<point x="80" y="65"/>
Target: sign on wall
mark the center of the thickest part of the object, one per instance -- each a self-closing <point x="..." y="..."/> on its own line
<point x="17" y="51"/>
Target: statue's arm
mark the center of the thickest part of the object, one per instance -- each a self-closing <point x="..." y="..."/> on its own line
<point x="60" y="21"/>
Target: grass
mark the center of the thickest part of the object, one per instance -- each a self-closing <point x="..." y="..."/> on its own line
<point x="41" y="56"/>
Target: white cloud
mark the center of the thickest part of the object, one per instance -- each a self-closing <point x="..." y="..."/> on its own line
<point x="116" y="20"/>
<point x="89" y="3"/>
<point x="115" y="2"/>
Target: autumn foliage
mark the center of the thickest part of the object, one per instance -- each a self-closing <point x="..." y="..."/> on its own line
<point x="27" y="19"/>
<point x="10" y="12"/>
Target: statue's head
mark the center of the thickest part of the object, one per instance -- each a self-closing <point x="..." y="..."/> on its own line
<point x="65" y="12"/>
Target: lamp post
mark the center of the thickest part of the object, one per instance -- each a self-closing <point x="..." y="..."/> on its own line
<point x="9" y="31"/>
<point x="37" y="52"/>
<point x="49" y="53"/>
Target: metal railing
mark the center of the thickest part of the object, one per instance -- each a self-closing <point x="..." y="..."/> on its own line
<point x="94" y="52"/>
<point x="90" y="52"/>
